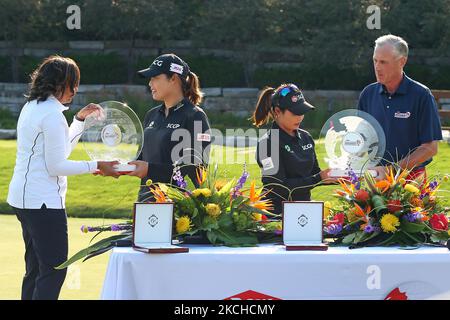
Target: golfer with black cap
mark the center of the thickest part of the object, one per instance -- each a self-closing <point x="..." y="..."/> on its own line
<point x="175" y="132"/>
<point x="286" y="153"/>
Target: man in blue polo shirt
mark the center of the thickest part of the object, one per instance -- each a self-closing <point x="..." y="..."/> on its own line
<point x="405" y="109"/>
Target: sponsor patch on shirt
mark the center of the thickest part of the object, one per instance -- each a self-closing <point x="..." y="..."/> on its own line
<point x="203" y="137"/>
<point x="176" y="68"/>
<point x="306" y="147"/>
<point x="267" y="163"/>
<point x="402" y="115"/>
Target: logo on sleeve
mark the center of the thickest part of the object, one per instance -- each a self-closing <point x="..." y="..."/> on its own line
<point x="267" y="163"/>
<point x="402" y="115"/>
<point x="306" y="147"/>
<point x="203" y="137"/>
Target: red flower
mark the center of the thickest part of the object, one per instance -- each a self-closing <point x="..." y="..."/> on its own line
<point x="394" y="205"/>
<point x="362" y="195"/>
<point x="339" y="218"/>
<point x="439" y="222"/>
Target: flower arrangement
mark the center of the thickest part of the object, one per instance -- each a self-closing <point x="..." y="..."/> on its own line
<point x="224" y="212"/>
<point x="392" y="211"/>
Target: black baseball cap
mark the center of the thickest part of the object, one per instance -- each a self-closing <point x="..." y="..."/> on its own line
<point x="168" y="64"/>
<point x="290" y="97"/>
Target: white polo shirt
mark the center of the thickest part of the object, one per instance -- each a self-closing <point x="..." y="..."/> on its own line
<point x="44" y="142"/>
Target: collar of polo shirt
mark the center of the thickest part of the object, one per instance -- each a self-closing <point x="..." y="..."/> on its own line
<point x="402" y="88"/>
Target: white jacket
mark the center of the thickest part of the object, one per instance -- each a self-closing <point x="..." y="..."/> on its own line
<point x="44" y="142"/>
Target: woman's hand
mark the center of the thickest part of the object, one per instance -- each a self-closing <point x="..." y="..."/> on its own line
<point x="141" y="170"/>
<point x="90" y="108"/>
<point x="107" y="168"/>
<point x="326" y="178"/>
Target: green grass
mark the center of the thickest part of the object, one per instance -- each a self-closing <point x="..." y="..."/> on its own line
<point x="83" y="281"/>
<point x="95" y="196"/>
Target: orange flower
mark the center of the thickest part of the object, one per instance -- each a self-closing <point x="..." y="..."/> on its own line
<point x="256" y="199"/>
<point x="158" y="194"/>
<point x="383" y="185"/>
<point x="390" y="176"/>
<point x="348" y="189"/>
<point x="201" y="175"/>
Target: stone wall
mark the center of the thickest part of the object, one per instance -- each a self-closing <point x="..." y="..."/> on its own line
<point x="239" y="101"/>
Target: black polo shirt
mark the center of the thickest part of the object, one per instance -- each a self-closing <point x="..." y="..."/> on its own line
<point x="182" y="137"/>
<point x="409" y="116"/>
<point x="290" y="161"/>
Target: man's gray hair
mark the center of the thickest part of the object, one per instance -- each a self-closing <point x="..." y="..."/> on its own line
<point x="399" y="44"/>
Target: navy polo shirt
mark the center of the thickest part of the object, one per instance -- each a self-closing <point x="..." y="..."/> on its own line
<point x="409" y="117"/>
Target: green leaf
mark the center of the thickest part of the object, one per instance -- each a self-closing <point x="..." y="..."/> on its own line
<point x="225" y="221"/>
<point x="349" y="238"/>
<point x="411" y="227"/>
<point x="86" y="251"/>
<point x="234" y="238"/>
<point x="379" y="204"/>
<point x="212" y="236"/>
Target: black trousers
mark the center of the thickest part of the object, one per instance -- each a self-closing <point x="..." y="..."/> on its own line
<point x="44" y="232"/>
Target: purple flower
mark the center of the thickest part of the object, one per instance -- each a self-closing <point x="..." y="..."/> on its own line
<point x="413" y="216"/>
<point x="278" y="232"/>
<point x="179" y="179"/>
<point x="354" y="179"/>
<point x="423" y="195"/>
<point x="369" y="228"/>
<point x="333" y="229"/>
<point x="115" y="227"/>
<point x="240" y="184"/>
<point x="433" y="185"/>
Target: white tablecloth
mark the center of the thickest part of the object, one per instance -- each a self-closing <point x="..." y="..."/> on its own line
<point x="271" y="272"/>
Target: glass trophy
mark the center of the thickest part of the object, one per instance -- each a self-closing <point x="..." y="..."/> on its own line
<point x="114" y="134"/>
<point x="351" y="140"/>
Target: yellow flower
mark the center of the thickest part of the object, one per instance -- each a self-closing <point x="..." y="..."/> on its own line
<point x="402" y="181"/>
<point x="213" y="210"/>
<point x="149" y="182"/>
<point x="445" y="178"/>
<point x="205" y="192"/>
<point x="183" y="224"/>
<point x="257" y="216"/>
<point x="389" y="222"/>
<point x="326" y="209"/>
<point x="279" y="226"/>
<point x="410" y="188"/>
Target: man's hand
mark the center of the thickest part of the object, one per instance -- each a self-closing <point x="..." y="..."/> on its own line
<point x="424" y="152"/>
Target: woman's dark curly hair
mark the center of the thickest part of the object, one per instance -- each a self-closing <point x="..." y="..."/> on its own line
<point x="53" y="76"/>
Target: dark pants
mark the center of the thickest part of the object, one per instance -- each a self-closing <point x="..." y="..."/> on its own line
<point x="44" y="232"/>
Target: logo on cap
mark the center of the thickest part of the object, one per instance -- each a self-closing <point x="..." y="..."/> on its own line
<point x="176" y="68"/>
<point x="158" y="63"/>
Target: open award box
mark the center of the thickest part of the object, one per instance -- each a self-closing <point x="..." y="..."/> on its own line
<point x="303" y="225"/>
<point x="152" y="228"/>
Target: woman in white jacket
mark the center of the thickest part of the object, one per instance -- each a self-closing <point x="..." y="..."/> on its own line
<point x="38" y="187"/>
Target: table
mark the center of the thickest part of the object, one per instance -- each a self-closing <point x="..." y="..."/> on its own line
<point x="271" y="272"/>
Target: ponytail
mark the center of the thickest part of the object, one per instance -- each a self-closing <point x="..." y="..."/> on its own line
<point x="191" y="89"/>
<point x="262" y="112"/>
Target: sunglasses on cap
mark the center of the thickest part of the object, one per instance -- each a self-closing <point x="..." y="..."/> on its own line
<point x="284" y="91"/>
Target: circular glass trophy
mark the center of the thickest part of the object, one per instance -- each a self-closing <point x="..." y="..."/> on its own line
<point x="352" y="140"/>
<point x="114" y="134"/>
